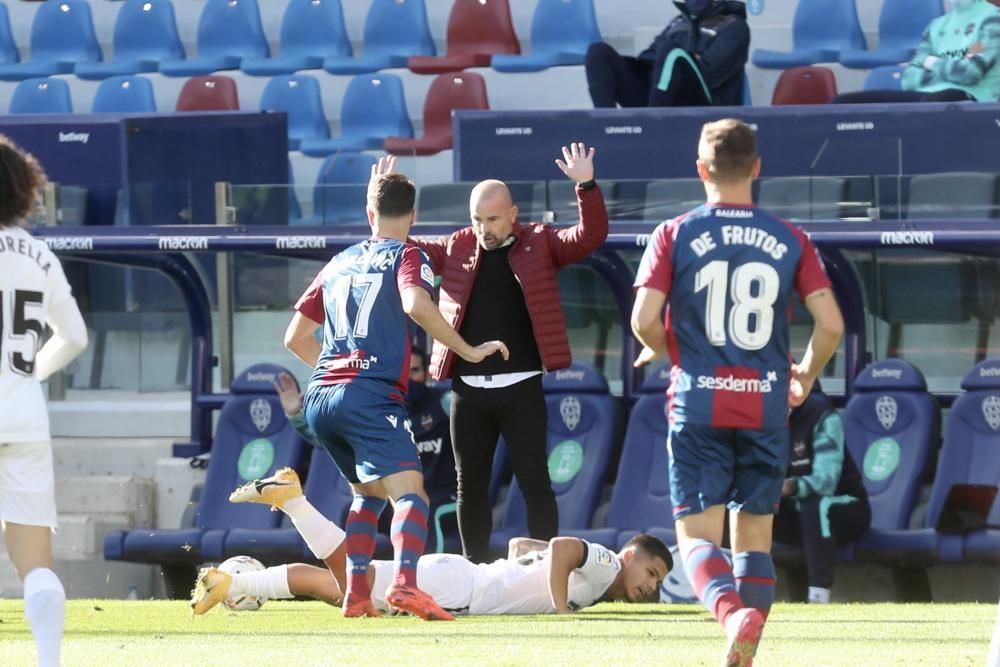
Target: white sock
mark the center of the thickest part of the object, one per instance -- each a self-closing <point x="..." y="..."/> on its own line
<point x="45" y="608"/>
<point x="270" y="583"/>
<point x="322" y="536"/>
<point x="819" y="595"/>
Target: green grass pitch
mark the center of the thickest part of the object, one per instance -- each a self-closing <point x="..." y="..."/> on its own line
<point x="290" y="634"/>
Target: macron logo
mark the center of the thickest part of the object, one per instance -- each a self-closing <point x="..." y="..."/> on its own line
<point x="74" y="137"/>
<point x="887" y="373"/>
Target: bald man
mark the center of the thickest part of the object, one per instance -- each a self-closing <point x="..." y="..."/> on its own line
<point x="499" y="282"/>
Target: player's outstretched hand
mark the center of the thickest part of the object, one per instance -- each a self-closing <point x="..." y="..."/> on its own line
<point x="646" y="356"/>
<point x="288" y="394"/>
<point x="385" y="165"/>
<point x="579" y="162"/>
<point x="799" y="387"/>
<point x="480" y="352"/>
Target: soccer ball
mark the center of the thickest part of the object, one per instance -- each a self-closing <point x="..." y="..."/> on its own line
<point x="239" y="565"/>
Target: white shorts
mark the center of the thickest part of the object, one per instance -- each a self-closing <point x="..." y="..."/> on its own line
<point x="448" y="578"/>
<point x="27" y="485"/>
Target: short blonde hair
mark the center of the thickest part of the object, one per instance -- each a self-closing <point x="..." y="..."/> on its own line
<point x="728" y="149"/>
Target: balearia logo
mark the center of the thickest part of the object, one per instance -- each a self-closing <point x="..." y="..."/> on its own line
<point x="300" y="243"/>
<point x="735" y="384"/>
<point x="69" y="243"/>
<point x="74" y="137"/>
<point x="907" y="238"/>
<point x="887" y="373"/>
<point x="184" y="243"/>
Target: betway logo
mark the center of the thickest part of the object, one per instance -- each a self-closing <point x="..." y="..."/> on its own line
<point x="260" y="377"/>
<point x="734" y="384"/>
<point x="74" y="137"/>
<point x="430" y="446"/>
<point x="893" y="373"/>
<point x="907" y="238"/>
<point x="569" y="375"/>
<point x="989" y="372"/>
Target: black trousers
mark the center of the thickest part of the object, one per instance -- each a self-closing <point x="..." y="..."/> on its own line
<point x="478" y="418"/>
<point x="617" y="80"/>
<point x="844" y="522"/>
<point x="891" y="96"/>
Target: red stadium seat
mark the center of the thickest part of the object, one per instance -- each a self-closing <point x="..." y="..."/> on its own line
<point x="457" y="90"/>
<point x="477" y="29"/>
<point x="805" y="85"/>
<point x="208" y="93"/>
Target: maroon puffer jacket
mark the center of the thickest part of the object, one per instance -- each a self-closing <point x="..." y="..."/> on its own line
<point x="539" y="251"/>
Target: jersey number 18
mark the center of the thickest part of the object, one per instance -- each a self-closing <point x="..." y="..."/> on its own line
<point x="750" y="320"/>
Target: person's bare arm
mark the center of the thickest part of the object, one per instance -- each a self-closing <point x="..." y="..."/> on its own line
<point x="417" y="303"/>
<point x="518" y="546"/>
<point x="647" y="324"/>
<point x="301" y="341"/>
<point x="567" y="552"/>
<point x="828" y="328"/>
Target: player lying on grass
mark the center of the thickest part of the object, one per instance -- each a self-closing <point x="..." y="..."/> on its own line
<point x="537" y="577"/>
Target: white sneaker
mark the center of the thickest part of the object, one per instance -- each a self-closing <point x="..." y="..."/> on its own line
<point x="743" y="630"/>
<point x="818" y="595"/>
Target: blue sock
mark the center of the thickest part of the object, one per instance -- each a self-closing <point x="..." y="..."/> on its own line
<point x="755" y="577"/>
<point x="711" y="578"/>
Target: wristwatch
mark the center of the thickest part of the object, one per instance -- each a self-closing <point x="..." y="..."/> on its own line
<point x="587" y="185"/>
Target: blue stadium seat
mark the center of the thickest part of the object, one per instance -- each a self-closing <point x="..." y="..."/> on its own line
<point x="41" y="96"/>
<point x="311" y="30"/>
<point x="327" y="491"/>
<point x="561" y="31"/>
<point x="900" y="27"/>
<point x="372" y="109"/>
<point x="581" y="429"/>
<point x="145" y="33"/>
<point x="228" y="32"/>
<point x="298" y="96"/>
<point x="62" y="35"/>
<point x="8" y="46"/>
<point x="969" y="453"/>
<point x="821" y="29"/>
<point x="252" y="440"/>
<point x="394" y="31"/>
<point x="889" y="77"/>
<point x="341" y="190"/>
<point x="891" y="426"/>
<point x="124" y="94"/>
<point x="640" y="501"/>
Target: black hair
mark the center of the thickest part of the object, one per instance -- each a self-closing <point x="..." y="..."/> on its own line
<point x="652" y="546"/>
<point x="21" y="178"/>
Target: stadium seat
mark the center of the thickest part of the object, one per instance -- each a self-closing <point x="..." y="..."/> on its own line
<point x="252" y="440"/>
<point x="640" y="501"/>
<point x="460" y="90"/>
<point x="805" y="85"/>
<point x="373" y="108"/>
<point x="327" y="491"/>
<point x="124" y="94"/>
<point x="889" y="77"/>
<point x="668" y="199"/>
<point x="803" y="197"/>
<point x="581" y="429"/>
<point x="969" y="453"/>
<point x="901" y="24"/>
<point x="821" y="29"/>
<point x="298" y="96"/>
<point x="145" y="33"/>
<point x="394" y="32"/>
<point x="62" y="35"/>
<point x="208" y="93"/>
<point x="341" y="187"/>
<point x="891" y="425"/>
<point x="561" y="32"/>
<point x="42" y="95"/>
<point x="228" y="32"/>
<point x="477" y="30"/>
<point x="8" y="46"/>
<point x="311" y="30"/>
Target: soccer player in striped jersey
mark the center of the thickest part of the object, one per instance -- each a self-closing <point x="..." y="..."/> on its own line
<point x="726" y="272"/>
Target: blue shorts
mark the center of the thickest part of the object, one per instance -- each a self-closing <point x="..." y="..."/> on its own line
<point x="740" y="468"/>
<point x="367" y="435"/>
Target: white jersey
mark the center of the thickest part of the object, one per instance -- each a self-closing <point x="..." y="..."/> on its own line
<point x="33" y="292"/>
<point x="517" y="586"/>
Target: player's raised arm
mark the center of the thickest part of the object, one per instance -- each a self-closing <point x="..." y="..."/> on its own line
<point x="417" y="303"/>
<point x="568" y="554"/>
<point x="301" y="341"/>
<point x="828" y="329"/>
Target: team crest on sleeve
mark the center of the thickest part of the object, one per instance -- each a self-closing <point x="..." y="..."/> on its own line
<point x="426" y="274"/>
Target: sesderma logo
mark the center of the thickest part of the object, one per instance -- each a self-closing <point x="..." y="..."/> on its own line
<point x="734" y="384"/>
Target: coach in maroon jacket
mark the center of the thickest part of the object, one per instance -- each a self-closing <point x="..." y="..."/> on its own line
<point x="499" y="282"/>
